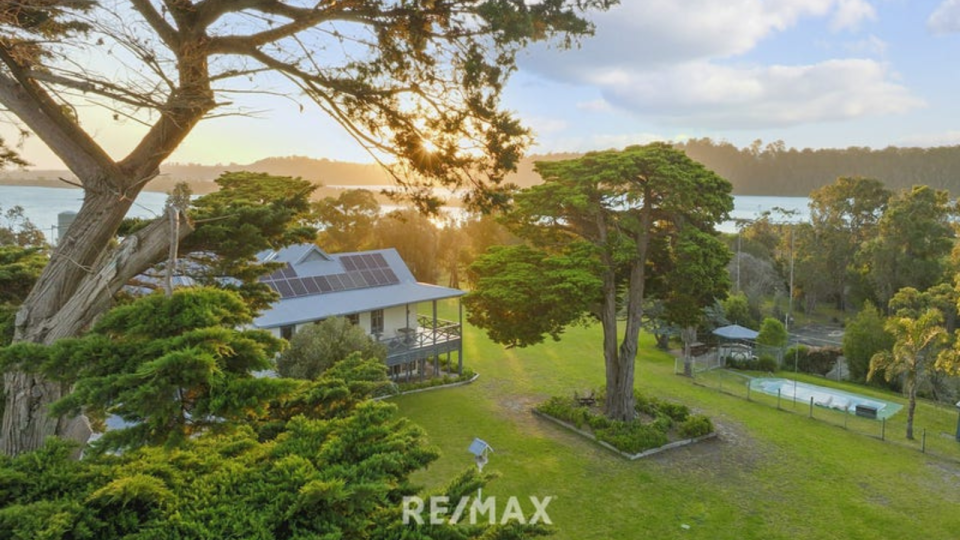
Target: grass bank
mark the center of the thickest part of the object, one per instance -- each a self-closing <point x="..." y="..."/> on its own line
<point x="769" y="475"/>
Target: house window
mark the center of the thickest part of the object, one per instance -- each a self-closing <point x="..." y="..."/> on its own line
<point x="376" y="321"/>
<point x="354" y="319"/>
<point x="286" y="332"/>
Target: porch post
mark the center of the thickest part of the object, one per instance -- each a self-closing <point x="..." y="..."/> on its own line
<point x="436" y="355"/>
<point x="460" y="342"/>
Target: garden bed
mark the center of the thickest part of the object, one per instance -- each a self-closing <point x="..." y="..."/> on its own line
<point x="660" y="425"/>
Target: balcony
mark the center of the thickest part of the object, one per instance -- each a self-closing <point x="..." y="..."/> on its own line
<point x="429" y="339"/>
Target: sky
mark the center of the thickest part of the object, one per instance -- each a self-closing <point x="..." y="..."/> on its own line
<point x="812" y="73"/>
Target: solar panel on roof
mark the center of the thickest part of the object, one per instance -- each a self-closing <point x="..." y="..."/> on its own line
<point x="368" y="280"/>
<point x="352" y="280"/>
<point x="348" y="263"/>
<point x="284" y="289"/>
<point x="379" y="260"/>
<point x="311" y="285"/>
<point x="299" y="289"/>
<point x="379" y="276"/>
<point x="335" y="282"/>
<point x="391" y="277"/>
<point x="323" y="284"/>
<point x="272" y="286"/>
<point x="288" y="272"/>
<point x="362" y="263"/>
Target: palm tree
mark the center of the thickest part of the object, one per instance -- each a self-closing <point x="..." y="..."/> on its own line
<point x="913" y="353"/>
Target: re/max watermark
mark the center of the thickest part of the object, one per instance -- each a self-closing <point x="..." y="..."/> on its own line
<point x="440" y="510"/>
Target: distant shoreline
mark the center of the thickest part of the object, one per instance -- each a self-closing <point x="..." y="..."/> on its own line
<point x="199" y="187"/>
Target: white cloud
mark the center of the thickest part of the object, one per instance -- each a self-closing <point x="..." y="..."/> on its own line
<point x="724" y="97"/>
<point x="948" y="138"/>
<point x="871" y="45"/>
<point x="599" y="142"/>
<point x="677" y="63"/>
<point x="546" y="126"/>
<point x="946" y="18"/>
<point x="597" y="105"/>
<point x="643" y="34"/>
<point x="850" y="13"/>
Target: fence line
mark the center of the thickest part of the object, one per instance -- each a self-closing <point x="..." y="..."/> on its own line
<point x="935" y="438"/>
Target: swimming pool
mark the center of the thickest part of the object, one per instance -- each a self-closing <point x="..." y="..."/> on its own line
<point x="824" y="397"/>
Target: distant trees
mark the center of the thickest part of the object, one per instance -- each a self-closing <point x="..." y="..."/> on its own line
<point x="914" y="237"/>
<point x="775" y="169"/>
<point x="843" y="216"/>
<point x="345" y="222"/>
<point x="864" y="336"/>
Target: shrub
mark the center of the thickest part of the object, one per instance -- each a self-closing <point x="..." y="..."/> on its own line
<point x="315" y="347"/>
<point x="821" y="360"/>
<point x="767" y="363"/>
<point x="696" y="426"/>
<point x="676" y="411"/>
<point x="632" y="437"/>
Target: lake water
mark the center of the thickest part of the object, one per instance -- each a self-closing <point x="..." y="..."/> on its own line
<point x="42" y="205"/>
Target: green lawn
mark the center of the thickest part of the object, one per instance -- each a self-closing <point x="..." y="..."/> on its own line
<point x="770" y="474"/>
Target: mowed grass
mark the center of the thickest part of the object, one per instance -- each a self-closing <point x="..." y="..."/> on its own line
<point x="771" y="474"/>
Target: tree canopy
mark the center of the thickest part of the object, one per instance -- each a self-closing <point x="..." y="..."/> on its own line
<point x="418" y="83"/>
<point x="621" y="212"/>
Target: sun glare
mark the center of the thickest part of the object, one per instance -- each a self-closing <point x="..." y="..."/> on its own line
<point x="429" y="147"/>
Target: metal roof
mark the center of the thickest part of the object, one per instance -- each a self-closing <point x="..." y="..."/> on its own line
<point x="307" y="261"/>
<point x="735" y="331"/>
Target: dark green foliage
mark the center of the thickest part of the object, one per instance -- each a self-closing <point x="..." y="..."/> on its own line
<point x="633" y="437"/>
<point x="19" y="269"/>
<point x="521" y="294"/>
<point x="772" y="333"/>
<point x="251" y="212"/>
<point x="316" y="347"/>
<point x="696" y="426"/>
<point x="173" y="366"/>
<point x="636" y="435"/>
<point x="767" y="363"/>
<point x="736" y="309"/>
<point x="914" y="238"/>
<point x="318" y="460"/>
<point x="864" y="337"/>
<point x="814" y="360"/>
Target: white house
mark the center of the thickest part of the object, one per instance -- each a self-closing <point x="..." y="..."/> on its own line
<point x="375" y="290"/>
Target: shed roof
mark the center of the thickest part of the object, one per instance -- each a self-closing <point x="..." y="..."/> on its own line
<point x="735" y="331"/>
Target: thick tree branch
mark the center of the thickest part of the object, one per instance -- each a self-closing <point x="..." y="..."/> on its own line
<point x="44" y="116"/>
<point x="136" y="254"/>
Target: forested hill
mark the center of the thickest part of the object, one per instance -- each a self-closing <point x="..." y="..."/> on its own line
<point x="774" y="169"/>
<point x="771" y="169"/>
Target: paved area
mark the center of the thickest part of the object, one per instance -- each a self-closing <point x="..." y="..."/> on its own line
<point x="818" y="335"/>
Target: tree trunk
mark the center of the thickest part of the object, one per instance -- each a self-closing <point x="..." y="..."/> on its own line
<point x="911" y="408"/>
<point x="77" y="285"/>
<point x="689" y="335"/>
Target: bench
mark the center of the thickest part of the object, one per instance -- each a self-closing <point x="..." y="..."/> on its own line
<point x="585" y="400"/>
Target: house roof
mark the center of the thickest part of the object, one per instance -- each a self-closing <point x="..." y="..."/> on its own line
<point x="315" y="285"/>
